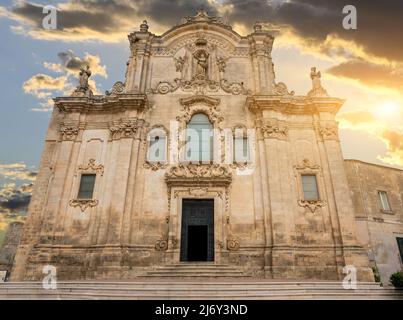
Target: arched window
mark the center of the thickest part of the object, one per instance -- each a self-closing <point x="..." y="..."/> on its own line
<point x="157" y="145"/>
<point x="199" y="139"/>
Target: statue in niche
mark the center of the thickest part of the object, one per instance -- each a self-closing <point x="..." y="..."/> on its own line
<point x="221" y="64"/>
<point x="201" y="57"/>
<point x="179" y="62"/>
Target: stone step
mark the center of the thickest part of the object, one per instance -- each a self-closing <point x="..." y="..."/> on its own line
<point x="182" y="289"/>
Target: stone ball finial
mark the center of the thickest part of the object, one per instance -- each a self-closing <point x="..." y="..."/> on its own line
<point x="144" y="26"/>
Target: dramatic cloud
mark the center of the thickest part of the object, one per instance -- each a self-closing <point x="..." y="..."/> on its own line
<point x="17" y="171"/>
<point x="42" y="85"/>
<point x="370" y="74"/>
<point x="367" y="122"/>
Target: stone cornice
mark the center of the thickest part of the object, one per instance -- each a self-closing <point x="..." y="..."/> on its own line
<point x="293" y="104"/>
<point x="102" y="104"/>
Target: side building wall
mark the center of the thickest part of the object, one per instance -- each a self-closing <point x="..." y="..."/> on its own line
<point x="378" y="229"/>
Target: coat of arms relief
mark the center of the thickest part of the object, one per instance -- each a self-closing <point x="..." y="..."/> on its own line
<point x="201" y="67"/>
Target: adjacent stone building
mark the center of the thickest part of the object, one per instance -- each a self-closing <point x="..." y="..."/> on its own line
<point x="9" y="247"/>
<point x="377" y="194"/>
<point x="197" y="155"/>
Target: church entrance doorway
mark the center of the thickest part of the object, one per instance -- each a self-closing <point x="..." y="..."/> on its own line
<point x="197" y="233"/>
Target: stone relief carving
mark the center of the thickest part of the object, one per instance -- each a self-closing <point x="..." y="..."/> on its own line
<point x="233" y="244"/>
<point x="126" y="128"/>
<point x="154" y="166"/>
<point x="312" y="205"/>
<point x="210" y="108"/>
<point x="83" y="203"/>
<point x="92" y="167"/>
<point x="307" y="164"/>
<point x="196" y="68"/>
<point x="317" y="89"/>
<point x="118" y="88"/>
<point x="69" y="132"/>
<point x="161" y="245"/>
<point x="282" y="90"/>
<point x="274" y="129"/>
<point x="329" y="132"/>
<point x="198" y="171"/>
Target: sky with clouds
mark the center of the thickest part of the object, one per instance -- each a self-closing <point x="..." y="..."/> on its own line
<point x="363" y="66"/>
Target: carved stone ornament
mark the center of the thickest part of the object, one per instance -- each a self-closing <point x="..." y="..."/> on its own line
<point x="329" y="133"/>
<point x="69" y="132"/>
<point x="83" y="203"/>
<point x="201" y="86"/>
<point x="209" y="107"/>
<point x="281" y="89"/>
<point x="118" y="88"/>
<point x="199" y="171"/>
<point x="161" y="245"/>
<point x="317" y="89"/>
<point x="233" y="244"/>
<point x="125" y="128"/>
<point x="92" y="167"/>
<point x="307" y="165"/>
<point x="154" y="166"/>
<point x="312" y="205"/>
<point x="274" y="130"/>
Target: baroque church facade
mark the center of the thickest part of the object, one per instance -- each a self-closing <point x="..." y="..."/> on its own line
<point x="199" y="155"/>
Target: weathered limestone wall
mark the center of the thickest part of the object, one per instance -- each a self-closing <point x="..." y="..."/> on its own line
<point x="377" y="229"/>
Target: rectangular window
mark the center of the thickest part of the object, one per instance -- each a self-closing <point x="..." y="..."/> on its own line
<point x="400" y="245"/>
<point x="383" y="200"/>
<point x="87" y="183"/>
<point x="310" y="187"/>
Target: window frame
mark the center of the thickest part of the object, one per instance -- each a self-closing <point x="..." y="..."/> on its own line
<point x="302" y="175"/>
<point x="200" y="141"/>
<point x="93" y="186"/>
<point x="381" y="201"/>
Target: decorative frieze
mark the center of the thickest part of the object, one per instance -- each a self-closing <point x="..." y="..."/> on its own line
<point x="161" y="245"/>
<point x="199" y="172"/>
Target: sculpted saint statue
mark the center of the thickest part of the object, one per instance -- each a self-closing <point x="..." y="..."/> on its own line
<point x="317" y="89"/>
<point x="202" y="63"/>
<point x="315" y="76"/>
<point x="84" y="75"/>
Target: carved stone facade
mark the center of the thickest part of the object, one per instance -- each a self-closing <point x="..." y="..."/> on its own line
<point x="132" y="223"/>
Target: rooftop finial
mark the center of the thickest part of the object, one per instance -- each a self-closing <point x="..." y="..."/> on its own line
<point x="144" y="26"/>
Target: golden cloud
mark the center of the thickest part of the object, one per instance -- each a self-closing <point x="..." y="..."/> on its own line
<point x="381" y="129"/>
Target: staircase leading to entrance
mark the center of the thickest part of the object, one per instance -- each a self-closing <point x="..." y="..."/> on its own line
<point x="202" y="289"/>
<point x="190" y="270"/>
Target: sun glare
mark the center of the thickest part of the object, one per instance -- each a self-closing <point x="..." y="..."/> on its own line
<point x="388" y="110"/>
